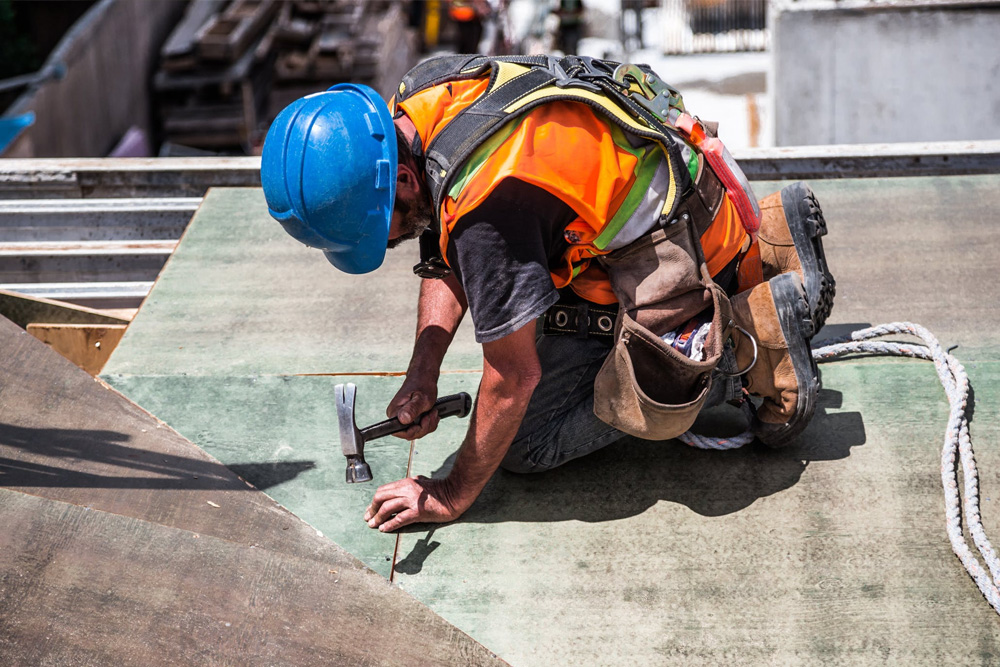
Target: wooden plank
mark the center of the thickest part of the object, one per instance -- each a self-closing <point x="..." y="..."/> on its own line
<point x="22" y="310"/>
<point x="182" y="40"/>
<point x="104" y="297"/>
<point x="228" y="35"/>
<point x="88" y="587"/>
<point x="86" y="345"/>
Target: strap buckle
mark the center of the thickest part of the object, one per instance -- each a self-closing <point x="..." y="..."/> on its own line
<point x="582" y="320"/>
<point x="564" y="79"/>
<point x="433" y="268"/>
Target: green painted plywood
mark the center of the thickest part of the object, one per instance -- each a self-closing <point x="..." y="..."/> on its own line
<point x="239" y="296"/>
<point x="645" y="553"/>
<point x="833" y="551"/>
<point x="287" y="427"/>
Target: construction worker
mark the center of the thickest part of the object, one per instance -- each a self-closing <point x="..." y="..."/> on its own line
<point x="526" y="225"/>
<point x="468" y="17"/>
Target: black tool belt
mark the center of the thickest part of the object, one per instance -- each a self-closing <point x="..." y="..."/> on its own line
<point x="581" y="319"/>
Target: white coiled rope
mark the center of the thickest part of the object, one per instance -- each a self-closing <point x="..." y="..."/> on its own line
<point x="956" y="441"/>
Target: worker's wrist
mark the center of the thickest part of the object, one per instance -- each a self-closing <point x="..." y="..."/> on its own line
<point x="462" y="490"/>
<point x="423" y="372"/>
<point x="456" y="496"/>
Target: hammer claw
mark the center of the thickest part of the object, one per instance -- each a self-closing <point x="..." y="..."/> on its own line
<point x="352" y="439"/>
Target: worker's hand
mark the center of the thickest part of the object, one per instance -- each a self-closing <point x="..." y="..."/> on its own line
<point x="414" y="398"/>
<point x="412" y="500"/>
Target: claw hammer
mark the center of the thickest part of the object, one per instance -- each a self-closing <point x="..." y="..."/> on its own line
<point x="353" y="439"/>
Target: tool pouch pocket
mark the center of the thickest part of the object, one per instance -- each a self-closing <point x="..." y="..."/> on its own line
<point x="646" y="388"/>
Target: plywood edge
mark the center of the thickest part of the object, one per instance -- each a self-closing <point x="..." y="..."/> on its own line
<point x="23" y="310"/>
<point x="87" y="345"/>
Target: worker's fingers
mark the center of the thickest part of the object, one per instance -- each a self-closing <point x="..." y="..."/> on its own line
<point x="428" y="424"/>
<point x="404" y="518"/>
<point x="418" y="403"/>
<point x="386" y="510"/>
<point x="424" y="394"/>
<point x="383" y="494"/>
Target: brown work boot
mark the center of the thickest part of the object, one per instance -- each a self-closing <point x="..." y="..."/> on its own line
<point x="782" y="372"/>
<point x="791" y="230"/>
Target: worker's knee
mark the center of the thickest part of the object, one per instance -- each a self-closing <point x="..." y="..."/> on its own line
<point x="522" y="459"/>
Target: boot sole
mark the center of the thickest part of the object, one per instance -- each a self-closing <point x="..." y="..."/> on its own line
<point x="808" y="227"/>
<point x="797" y="325"/>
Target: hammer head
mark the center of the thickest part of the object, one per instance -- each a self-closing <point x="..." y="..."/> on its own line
<point x="351" y="441"/>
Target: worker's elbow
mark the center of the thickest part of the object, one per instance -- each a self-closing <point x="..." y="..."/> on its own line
<point x="529" y="379"/>
<point x="519" y="381"/>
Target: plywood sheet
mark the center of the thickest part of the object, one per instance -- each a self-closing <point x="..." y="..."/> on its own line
<point x="239" y="296"/>
<point x="832" y="552"/>
<point x="645" y="553"/>
<point x="86" y="345"/>
<point x="280" y="434"/>
<point x="86" y="587"/>
<point x="123" y="542"/>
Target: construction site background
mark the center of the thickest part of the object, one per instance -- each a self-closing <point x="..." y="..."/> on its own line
<point x="207" y="76"/>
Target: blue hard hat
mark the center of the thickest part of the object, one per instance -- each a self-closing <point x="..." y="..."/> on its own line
<point x="329" y="174"/>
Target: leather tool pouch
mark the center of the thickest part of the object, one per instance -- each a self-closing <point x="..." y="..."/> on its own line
<point x="646" y="388"/>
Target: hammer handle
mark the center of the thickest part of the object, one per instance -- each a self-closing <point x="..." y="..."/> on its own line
<point x="456" y="404"/>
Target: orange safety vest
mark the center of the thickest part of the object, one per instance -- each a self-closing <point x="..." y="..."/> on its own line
<point x="567" y="149"/>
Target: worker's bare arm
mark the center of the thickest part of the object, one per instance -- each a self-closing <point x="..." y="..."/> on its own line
<point x="510" y="373"/>
<point x="441" y="308"/>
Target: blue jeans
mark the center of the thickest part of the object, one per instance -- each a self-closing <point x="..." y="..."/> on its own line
<point x="560" y="424"/>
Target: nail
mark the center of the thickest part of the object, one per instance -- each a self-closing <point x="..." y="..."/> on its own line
<point x="371" y="523"/>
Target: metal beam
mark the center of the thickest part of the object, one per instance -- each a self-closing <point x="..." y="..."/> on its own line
<point x="947" y="158"/>
<point x="95" y="219"/>
<point x="193" y="176"/>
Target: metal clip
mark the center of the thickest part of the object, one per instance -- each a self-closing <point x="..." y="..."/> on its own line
<point x="752" y="363"/>
<point x="432" y="269"/>
<point x="658" y="97"/>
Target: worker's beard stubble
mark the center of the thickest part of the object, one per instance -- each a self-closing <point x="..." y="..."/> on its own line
<point x="417" y="217"/>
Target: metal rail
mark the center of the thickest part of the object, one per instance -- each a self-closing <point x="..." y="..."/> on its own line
<point x="56" y="178"/>
<point x="97" y="231"/>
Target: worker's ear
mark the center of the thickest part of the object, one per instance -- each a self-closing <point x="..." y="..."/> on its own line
<point x="407" y="182"/>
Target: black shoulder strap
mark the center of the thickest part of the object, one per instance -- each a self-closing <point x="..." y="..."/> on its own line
<point x="513" y="91"/>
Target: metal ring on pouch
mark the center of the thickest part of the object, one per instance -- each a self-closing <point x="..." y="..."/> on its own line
<point x="752" y="363"/>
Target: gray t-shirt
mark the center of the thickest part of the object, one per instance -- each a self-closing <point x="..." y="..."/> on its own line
<point x="501" y="252"/>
